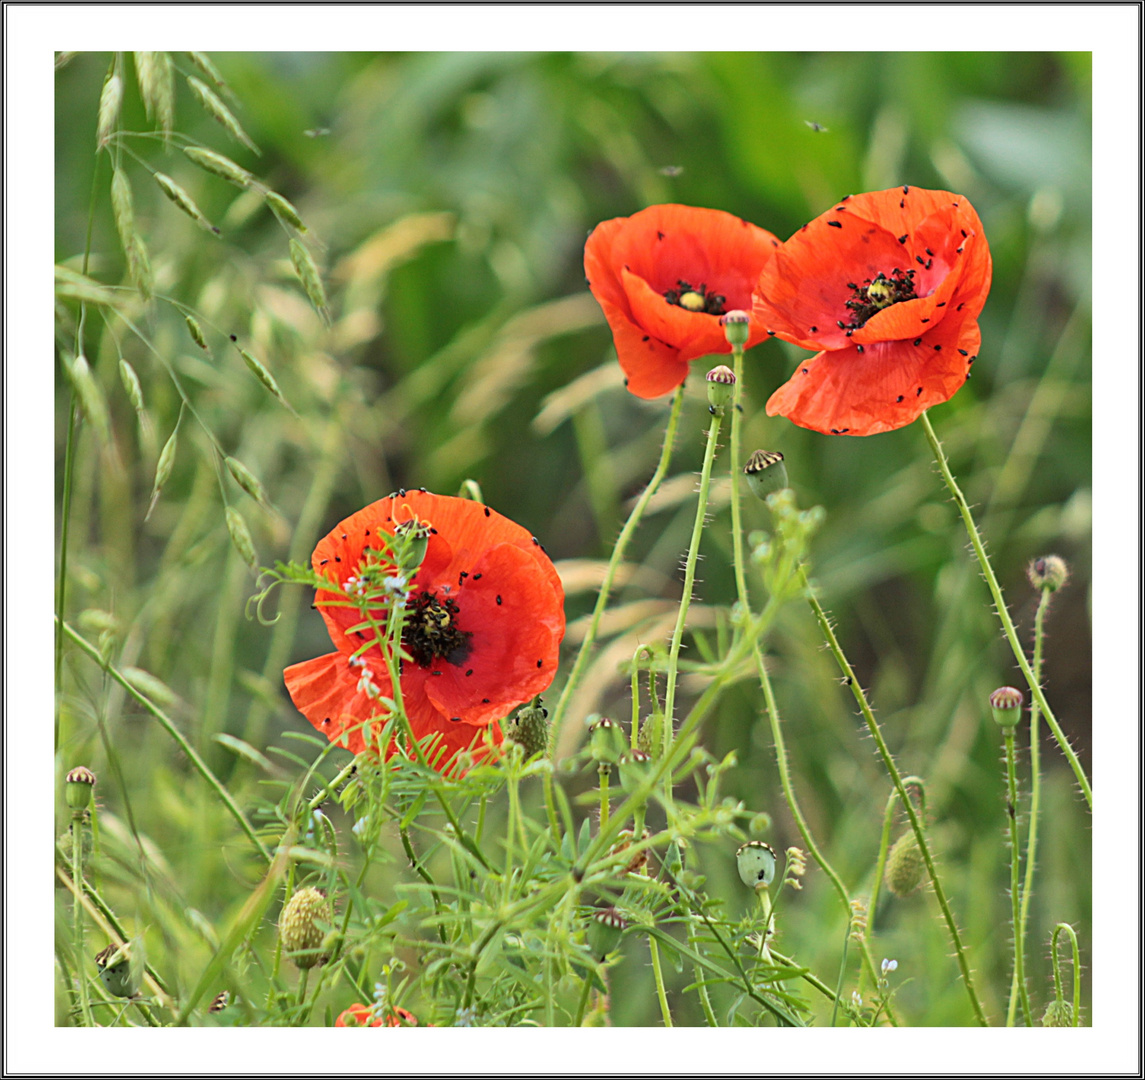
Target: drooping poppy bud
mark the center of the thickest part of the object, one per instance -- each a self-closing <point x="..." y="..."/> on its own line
<point x="755" y="861"/>
<point x="766" y="472"/>
<point x="1049" y="572"/>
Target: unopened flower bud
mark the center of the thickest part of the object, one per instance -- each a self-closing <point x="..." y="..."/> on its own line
<point x="859" y="915"/>
<point x="1059" y="1013"/>
<point x="605" y="740"/>
<point x="1049" y="572"/>
<point x="1006" y="704"/>
<point x="755" y="861"/>
<point x="77" y="787"/>
<point x="413" y="539"/>
<point x="737" y="328"/>
<point x="299" y="929"/>
<point x="721" y="388"/>
<point x="635" y="768"/>
<point x="115" y="972"/>
<point x="529" y="728"/>
<point x="905" y="866"/>
<point x="766" y="473"/>
<point x="604" y="930"/>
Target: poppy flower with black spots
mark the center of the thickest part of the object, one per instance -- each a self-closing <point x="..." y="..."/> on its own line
<point x="360" y="1015"/>
<point x="888" y="286"/>
<point x="484" y="619"/>
<point x="664" y="276"/>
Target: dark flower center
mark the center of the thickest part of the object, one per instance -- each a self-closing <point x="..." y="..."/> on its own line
<point x="696" y="298"/>
<point x="878" y="293"/>
<point x="431" y="631"/>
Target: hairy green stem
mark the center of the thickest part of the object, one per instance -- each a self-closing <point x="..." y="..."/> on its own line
<point x="1058" y="996"/>
<point x="1003" y="612"/>
<point x="689" y="581"/>
<point x="1015" y="858"/>
<point x="614" y="563"/>
<point x="658" y="975"/>
<point x="896" y="779"/>
<point x="77" y="918"/>
<point x="1035" y="793"/>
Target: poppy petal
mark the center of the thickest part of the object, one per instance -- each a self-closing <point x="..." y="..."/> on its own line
<point x="326" y="691"/>
<point x="845" y="392"/>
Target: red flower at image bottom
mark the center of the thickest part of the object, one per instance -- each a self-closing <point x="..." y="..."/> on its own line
<point x="663" y="277"/>
<point x="484" y="623"/>
<point x="360" y="1015"/>
<point x="888" y="286"/>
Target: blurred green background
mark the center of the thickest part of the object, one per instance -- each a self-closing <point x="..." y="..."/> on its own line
<point x="448" y="198"/>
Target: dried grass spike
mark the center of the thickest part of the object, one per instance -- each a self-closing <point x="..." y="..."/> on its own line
<point x="110" y="101"/>
<point x="157" y="88"/>
<point x="285" y="211"/>
<point x="219" y="164"/>
<point x="184" y="201"/>
<point x="307" y="271"/>
<point x="214" y="105"/>
<point x="204" y="63"/>
<point x="240" y="537"/>
<point x="131" y="385"/>
<point x="247" y="480"/>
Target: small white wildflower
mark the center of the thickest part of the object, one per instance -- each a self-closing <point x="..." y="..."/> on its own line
<point x="357" y="662"/>
<point x="889" y="966"/>
<point x="856" y="999"/>
<point x="465" y="1017"/>
<point x="361" y="825"/>
<point x="379" y="992"/>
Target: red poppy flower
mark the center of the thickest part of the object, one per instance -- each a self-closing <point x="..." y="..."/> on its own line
<point x="484" y="622"/>
<point x="360" y="1015"/>
<point x="664" y="277"/>
<point x="889" y="286"/>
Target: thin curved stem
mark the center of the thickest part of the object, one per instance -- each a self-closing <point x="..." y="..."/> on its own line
<point x="1058" y="996"/>
<point x="614" y="563"/>
<point x="689" y="579"/>
<point x="658" y="974"/>
<point x="896" y="779"/>
<point x="1015" y="902"/>
<point x="1003" y="612"/>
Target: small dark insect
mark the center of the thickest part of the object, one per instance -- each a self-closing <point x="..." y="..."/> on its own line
<point x="316" y="133"/>
<point x="815" y="126"/>
<point x="670" y="170"/>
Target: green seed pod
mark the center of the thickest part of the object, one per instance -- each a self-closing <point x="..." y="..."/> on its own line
<point x="530" y="729"/>
<point x="78" y="786"/>
<point x="139" y="266"/>
<point x="203" y="62"/>
<point x="240" y="537"/>
<point x="604" y="931"/>
<point x="109" y="102"/>
<point x="219" y="164"/>
<point x="307" y="271"/>
<point x="1059" y="1013"/>
<point x="905" y="866"/>
<point x="184" y="201"/>
<point x="122" y="206"/>
<point x="766" y="473"/>
<point x="1006" y="705"/>
<point x="117" y="973"/>
<point x="1050" y="572"/>
<point x="163" y="469"/>
<point x="737" y="328"/>
<point x="721" y="389"/>
<point x="299" y="929"/>
<point x="131" y="385"/>
<point x="247" y="480"/>
<point x="214" y="105"/>
<point x="755" y="861"/>
<point x="284" y="210"/>
<point x="196" y="332"/>
<point x="635" y="768"/>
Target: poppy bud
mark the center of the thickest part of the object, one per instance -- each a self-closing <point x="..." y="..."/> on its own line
<point x="905" y="866"/>
<point x="635" y="766"/>
<point x="736" y="328"/>
<point x="1059" y="1013"/>
<point x="1006" y="704"/>
<point x="1050" y="572"/>
<point x="755" y="861"/>
<point x="766" y="473"/>
<point x="298" y="928"/>
<point x="413" y="542"/>
<point x="604" y="930"/>
<point x="115" y="972"/>
<point x="721" y="387"/>
<point x="605" y="740"/>
<point x="77" y="787"/>
<point x="529" y="728"/>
